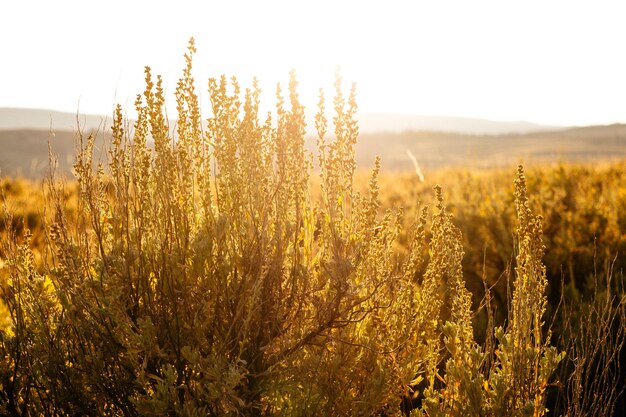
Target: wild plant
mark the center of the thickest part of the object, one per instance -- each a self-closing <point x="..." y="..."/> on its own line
<point x="198" y="276"/>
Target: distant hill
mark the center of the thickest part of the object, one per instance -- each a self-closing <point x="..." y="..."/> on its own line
<point x="384" y="122"/>
<point x="24" y="151"/>
<point x="440" y="149"/>
<point x="39" y="119"/>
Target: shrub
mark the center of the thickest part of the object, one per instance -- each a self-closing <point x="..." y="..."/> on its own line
<point x="198" y="277"/>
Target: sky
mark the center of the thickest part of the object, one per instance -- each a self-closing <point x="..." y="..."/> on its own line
<point x="548" y="61"/>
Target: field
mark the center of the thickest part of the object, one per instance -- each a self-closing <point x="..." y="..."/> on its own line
<point x="229" y="272"/>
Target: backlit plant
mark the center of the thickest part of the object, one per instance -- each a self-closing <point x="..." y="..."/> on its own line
<point x="198" y="276"/>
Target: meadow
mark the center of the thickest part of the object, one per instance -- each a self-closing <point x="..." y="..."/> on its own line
<point x="210" y="269"/>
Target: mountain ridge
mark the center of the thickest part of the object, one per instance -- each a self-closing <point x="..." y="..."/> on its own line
<point x="25" y="152"/>
<point x="369" y="122"/>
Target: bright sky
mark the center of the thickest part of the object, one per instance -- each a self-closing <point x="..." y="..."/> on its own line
<point x="552" y="62"/>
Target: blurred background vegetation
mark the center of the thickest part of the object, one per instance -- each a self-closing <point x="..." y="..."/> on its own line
<point x="583" y="206"/>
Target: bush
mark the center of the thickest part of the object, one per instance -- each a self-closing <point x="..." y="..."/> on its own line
<point x="199" y="277"/>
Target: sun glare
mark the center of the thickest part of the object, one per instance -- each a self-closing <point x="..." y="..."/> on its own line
<point x="555" y="63"/>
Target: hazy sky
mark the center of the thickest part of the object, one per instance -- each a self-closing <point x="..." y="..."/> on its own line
<point x="553" y="62"/>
